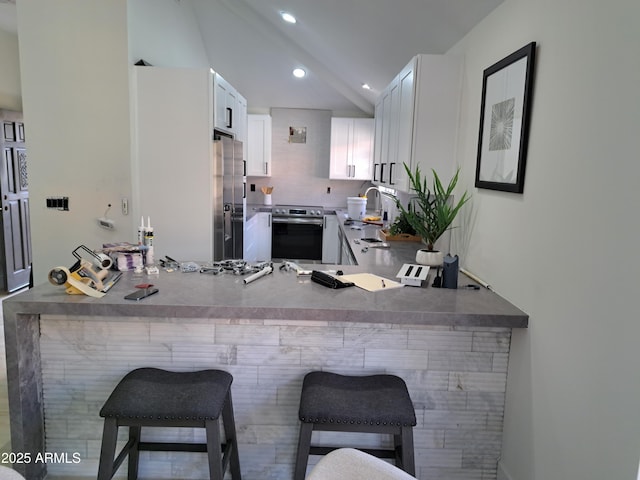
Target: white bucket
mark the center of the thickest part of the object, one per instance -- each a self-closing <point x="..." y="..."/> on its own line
<point x="356" y="207"/>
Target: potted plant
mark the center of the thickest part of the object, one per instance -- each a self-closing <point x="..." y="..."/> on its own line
<point x="431" y="212"/>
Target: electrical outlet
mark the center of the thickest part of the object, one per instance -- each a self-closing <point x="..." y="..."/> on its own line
<point x="125" y="206"/>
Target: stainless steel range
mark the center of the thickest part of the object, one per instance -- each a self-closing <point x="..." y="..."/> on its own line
<point x="297" y="232"/>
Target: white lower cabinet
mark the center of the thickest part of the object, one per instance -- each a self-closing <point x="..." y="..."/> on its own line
<point x="330" y="240"/>
<point x="257" y="238"/>
<point x="346" y="255"/>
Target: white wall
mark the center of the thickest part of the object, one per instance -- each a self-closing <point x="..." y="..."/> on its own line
<point x="300" y="172"/>
<point x="75" y="68"/>
<point x="165" y="34"/>
<point x="75" y="89"/>
<point x="10" y="91"/>
<point x="566" y="250"/>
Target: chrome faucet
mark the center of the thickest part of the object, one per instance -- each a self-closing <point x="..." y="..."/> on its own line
<point x="379" y="198"/>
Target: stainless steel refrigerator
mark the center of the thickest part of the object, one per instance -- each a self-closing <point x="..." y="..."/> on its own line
<point x="229" y="198"/>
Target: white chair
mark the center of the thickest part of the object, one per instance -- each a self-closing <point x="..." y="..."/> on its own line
<point x="8" y="474"/>
<point x="352" y="464"/>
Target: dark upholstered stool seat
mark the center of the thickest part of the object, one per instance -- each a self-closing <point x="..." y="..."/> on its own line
<point x="372" y="404"/>
<point x="151" y="397"/>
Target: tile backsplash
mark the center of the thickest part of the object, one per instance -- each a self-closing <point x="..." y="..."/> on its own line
<point x="300" y="171"/>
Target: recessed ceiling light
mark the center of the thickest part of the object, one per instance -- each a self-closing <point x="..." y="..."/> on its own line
<point x="299" y="73"/>
<point x="287" y="17"/>
<point x="366" y="86"/>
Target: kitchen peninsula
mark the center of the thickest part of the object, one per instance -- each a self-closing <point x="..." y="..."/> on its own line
<point x="66" y="353"/>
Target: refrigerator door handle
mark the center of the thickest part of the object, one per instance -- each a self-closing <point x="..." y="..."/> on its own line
<point x="227" y="221"/>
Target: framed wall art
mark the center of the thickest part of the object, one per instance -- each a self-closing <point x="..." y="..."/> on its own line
<point x="504" y="121"/>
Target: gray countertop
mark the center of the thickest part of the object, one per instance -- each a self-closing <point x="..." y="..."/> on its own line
<point x="284" y="295"/>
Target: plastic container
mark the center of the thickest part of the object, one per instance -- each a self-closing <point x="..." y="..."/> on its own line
<point x="356" y="207"/>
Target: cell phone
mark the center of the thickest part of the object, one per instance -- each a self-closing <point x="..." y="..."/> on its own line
<point x="141" y="293"/>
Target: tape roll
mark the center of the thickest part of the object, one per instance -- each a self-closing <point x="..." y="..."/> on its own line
<point x="59" y="276"/>
<point x="105" y="260"/>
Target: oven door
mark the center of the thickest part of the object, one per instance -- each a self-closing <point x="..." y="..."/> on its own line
<point x="296" y="238"/>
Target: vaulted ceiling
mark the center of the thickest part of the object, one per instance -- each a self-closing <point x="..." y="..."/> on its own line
<point x="341" y="43"/>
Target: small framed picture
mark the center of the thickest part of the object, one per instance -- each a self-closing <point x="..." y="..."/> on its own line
<point x="504" y="122"/>
<point x="297" y="134"/>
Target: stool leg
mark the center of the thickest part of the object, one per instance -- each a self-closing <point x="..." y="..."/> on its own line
<point x="231" y="438"/>
<point x="213" y="449"/>
<point x="304" y="444"/>
<point x="408" y="460"/>
<point x="134" y="452"/>
<point x="108" y="450"/>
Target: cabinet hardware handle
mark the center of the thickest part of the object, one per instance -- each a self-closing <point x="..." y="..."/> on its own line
<point x="229" y="117"/>
<point x="382" y="173"/>
<point x="266" y="168"/>
<point x="375" y="166"/>
<point x="391" y="182"/>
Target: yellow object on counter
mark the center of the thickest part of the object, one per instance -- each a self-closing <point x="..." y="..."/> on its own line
<point x="372" y="219"/>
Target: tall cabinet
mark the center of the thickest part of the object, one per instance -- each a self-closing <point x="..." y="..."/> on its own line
<point x="230" y="112"/>
<point x="416" y="118"/>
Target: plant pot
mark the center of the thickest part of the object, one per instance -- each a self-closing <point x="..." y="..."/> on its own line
<point x="433" y="258"/>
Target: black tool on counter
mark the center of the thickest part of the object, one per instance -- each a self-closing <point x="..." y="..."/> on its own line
<point x="329" y="280"/>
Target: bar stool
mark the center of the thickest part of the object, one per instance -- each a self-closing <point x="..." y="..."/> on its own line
<point x="150" y="397"/>
<point x="370" y="404"/>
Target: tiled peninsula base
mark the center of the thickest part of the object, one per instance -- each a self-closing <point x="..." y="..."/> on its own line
<point x="456" y="377"/>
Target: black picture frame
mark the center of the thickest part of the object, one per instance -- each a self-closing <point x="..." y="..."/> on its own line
<point x="507" y="90"/>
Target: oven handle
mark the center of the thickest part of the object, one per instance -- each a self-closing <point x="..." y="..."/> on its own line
<point x="298" y="220"/>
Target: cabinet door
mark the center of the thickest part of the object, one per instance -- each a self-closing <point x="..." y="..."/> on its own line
<point x="257" y="238"/>
<point x="241" y="124"/>
<point x="249" y="240"/>
<point x="362" y="149"/>
<point x="392" y="116"/>
<point x="330" y="240"/>
<point x="264" y="236"/>
<point x="259" y="146"/>
<point x="405" y="117"/>
<point x="222" y="107"/>
<point x="351" y="149"/>
<point x="378" y="136"/>
<point x="341" y="150"/>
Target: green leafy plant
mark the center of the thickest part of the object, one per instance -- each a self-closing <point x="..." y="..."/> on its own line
<point x="432" y="210"/>
<point x="401" y="225"/>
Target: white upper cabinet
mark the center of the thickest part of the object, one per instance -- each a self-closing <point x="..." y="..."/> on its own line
<point x="351" y="148"/>
<point x="230" y="112"/>
<point x="259" y="146"/>
<point x="416" y="119"/>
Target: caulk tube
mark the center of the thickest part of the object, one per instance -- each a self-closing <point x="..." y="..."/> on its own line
<point x="141" y="231"/>
<point x="148" y="241"/>
<point x="257" y="275"/>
